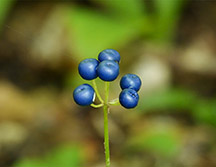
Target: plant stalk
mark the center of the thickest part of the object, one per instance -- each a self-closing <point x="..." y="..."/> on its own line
<point x="97" y="105"/>
<point x="96" y="91"/>
<point x="106" y="131"/>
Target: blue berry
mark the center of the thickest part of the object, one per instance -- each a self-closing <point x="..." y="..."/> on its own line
<point x="130" y="81"/>
<point x="128" y="98"/>
<point x="84" y="95"/>
<point x="87" y="69"/>
<point x="109" y="54"/>
<point x="108" y="70"/>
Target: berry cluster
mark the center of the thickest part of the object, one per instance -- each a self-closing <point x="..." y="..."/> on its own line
<point x="130" y="84"/>
<point x="107" y="69"/>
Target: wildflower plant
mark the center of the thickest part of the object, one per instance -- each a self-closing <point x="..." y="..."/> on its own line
<point x="107" y="69"/>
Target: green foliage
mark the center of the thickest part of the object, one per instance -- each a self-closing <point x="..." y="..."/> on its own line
<point x="66" y="156"/>
<point x="121" y="22"/>
<point x="205" y="112"/>
<point x="5" y="6"/>
<point x="167" y="13"/>
<point x="169" y="99"/>
<point x="92" y="31"/>
<point x="161" y="141"/>
<point x="127" y="9"/>
<point x="165" y="141"/>
<point x="181" y="100"/>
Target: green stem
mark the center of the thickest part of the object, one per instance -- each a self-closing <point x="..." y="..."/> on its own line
<point x="96" y="91"/>
<point x="106" y="131"/>
<point x="97" y="105"/>
<point x="114" y="102"/>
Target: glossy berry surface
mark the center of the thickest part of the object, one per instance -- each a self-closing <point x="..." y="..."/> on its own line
<point x="130" y="81"/>
<point x="129" y="98"/>
<point x="109" y="54"/>
<point x="108" y="70"/>
<point x="84" y="95"/>
<point x="87" y="69"/>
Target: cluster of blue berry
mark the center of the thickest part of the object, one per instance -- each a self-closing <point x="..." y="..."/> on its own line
<point x="107" y="69"/>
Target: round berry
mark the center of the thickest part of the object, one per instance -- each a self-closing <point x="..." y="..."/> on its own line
<point x="108" y="70"/>
<point x="84" y="95"/>
<point x="130" y="81"/>
<point x="128" y="98"/>
<point x="87" y="69"/>
<point x="109" y="54"/>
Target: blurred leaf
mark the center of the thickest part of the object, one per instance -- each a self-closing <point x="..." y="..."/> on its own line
<point x="176" y="99"/>
<point x="162" y="141"/>
<point x="167" y="13"/>
<point x="127" y="9"/>
<point x="92" y="32"/>
<point x="31" y="163"/>
<point x="5" y="6"/>
<point x="66" y="156"/>
<point x="169" y="99"/>
<point x="205" y="112"/>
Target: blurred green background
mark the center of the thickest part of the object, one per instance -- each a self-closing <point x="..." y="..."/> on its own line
<point x="170" y="44"/>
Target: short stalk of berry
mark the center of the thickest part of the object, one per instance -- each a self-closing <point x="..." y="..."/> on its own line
<point x="107" y="69"/>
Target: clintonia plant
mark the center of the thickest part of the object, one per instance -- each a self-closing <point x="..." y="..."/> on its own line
<point x="107" y="69"/>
